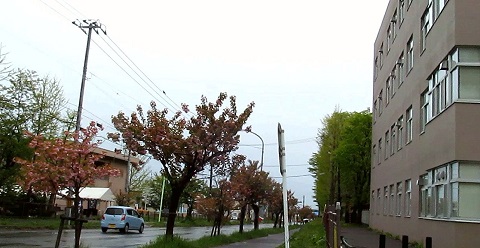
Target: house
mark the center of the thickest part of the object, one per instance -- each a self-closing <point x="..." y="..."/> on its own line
<point x="425" y="171"/>
<point x="101" y="193"/>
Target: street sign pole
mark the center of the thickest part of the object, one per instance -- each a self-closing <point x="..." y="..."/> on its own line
<point x="283" y="171"/>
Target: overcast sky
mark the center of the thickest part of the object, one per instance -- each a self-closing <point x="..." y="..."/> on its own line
<point x="296" y="60"/>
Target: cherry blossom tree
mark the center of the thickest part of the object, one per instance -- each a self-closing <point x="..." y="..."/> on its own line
<point x="251" y="187"/>
<point x="65" y="163"/>
<point x="184" y="142"/>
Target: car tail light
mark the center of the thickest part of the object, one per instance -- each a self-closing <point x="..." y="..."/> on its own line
<point x="103" y="216"/>
<point x="123" y="217"/>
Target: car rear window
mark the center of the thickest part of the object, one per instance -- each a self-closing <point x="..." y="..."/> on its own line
<point x="114" y="211"/>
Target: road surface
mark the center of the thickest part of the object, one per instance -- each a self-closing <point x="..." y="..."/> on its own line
<point x="95" y="238"/>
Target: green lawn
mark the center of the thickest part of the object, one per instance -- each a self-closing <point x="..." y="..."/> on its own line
<point x="212" y="241"/>
<point x="39" y="223"/>
<point x="311" y="235"/>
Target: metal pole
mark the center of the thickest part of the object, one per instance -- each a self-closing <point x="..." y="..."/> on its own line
<point x="283" y="171"/>
<point x="161" y="199"/>
<point x="263" y="149"/>
<point x="127" y="180"/>
<point x="84" y="76"/>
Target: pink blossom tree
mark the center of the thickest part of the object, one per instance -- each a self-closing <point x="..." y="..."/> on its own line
<point x="65" y="163"/>
<point x="184" y="142"/>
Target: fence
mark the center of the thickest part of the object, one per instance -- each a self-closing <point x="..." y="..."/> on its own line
<point x="331" y="222"/>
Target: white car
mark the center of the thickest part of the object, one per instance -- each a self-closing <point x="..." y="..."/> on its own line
<point x="122" y="218"/>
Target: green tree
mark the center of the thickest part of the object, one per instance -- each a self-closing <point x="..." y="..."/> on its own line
<point x="353" y="157"/>
<point x="324" y="167"/>
<point x="28" y="103"/>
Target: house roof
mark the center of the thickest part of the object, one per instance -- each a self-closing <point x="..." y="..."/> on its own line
<point x="120" y="156"/>
<point x="95" y="193"/>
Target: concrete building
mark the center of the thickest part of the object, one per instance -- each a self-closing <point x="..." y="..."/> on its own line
<point x="426" y="126"/>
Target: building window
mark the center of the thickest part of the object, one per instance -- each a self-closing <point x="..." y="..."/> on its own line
<point x="401" y="11"/>
<point x="451" y="191"/>
<point x="389" y="38"/>
<point x="410" y="54"/>
<point x="424" y="117"/>
<point x="393" y="23"/>
<point x="387" y="144"/>
<point x="408" y="197"/>
<point x="398" y="210"/>
<point x="380" y="103"/>
<point x="437" y="7"/>
<point x="375" y="68"/>
<point x="385" y="201"/>
<point x="400" y="133"/>
<point x="400" y="70"/>
<point x="426" y="24"/>
<point x="375" y="110"/>
<point x="388" y="91"/>
<point x="409" y="126"/>
<point x="379" y="154"/>
<point x="379" y="200"/>
<point x="372" y="203"/>
<point x="381" y="54"/>
<point x="393" y="141"/>
<point x="374" y="155"/>
<point x="392" y="199"/>
<point x="393" y="80"/>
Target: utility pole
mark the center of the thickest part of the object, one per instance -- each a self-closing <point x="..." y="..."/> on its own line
<point x="283" y="171"/>
<point x="90" y="25"/>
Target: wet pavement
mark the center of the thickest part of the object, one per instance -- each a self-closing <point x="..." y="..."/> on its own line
<point x="95" y="238"/>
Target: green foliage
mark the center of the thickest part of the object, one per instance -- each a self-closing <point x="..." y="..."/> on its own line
<point x="323" y="163"/>
<point x="28" y="103"/>
<point x="341" y="166"/>
<point x="311" y="235"/>
<point x="211" y="241"/>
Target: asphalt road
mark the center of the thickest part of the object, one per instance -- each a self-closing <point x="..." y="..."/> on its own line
<point x="95" y="238"/>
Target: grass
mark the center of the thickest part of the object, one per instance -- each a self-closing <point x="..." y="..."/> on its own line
<point x="311" y="235"/>
<point x="54" y="223"/>
<point x="211" y="241"/>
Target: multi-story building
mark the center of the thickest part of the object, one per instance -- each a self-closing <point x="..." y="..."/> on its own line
<point x="426" y="122"/>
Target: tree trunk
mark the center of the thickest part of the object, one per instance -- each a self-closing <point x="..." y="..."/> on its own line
<point x="189" y="211"/>
<point x="172" y="210"/>
<point x="76" y="214"/>
<point x="276" y="220"/>
<point x="256" y="211"/>
<point x="242" y="218"/>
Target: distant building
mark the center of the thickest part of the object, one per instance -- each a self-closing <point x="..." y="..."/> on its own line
<point x="101" y="193"/>
<point x="426" y="122"/>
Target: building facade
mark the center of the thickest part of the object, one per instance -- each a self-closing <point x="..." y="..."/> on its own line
<point x="426" y="122"/>
<point x="115" y="185"/>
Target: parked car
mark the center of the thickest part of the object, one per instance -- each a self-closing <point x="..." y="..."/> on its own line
<point x="122" y="218"/>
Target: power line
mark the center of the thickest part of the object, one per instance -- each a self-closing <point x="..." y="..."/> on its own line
<point x="288" y="165"/>
<point x="292" y="142"/>
<point x="306" y="175"/>
<point x="144" y="73"/>
<point x="111" y="58"/>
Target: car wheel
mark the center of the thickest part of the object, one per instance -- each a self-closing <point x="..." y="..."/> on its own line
<point x="104" y="229"/>
<point x="141" y="228"/>
<point x="125" y="229"/>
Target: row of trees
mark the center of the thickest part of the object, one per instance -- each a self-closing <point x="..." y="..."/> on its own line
<point x="37" y="145"/>
<point x="341" y="166"/>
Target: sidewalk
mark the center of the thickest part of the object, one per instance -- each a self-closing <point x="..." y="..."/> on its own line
<point x="271" y="241"/>
<point x="361" y="237"/>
